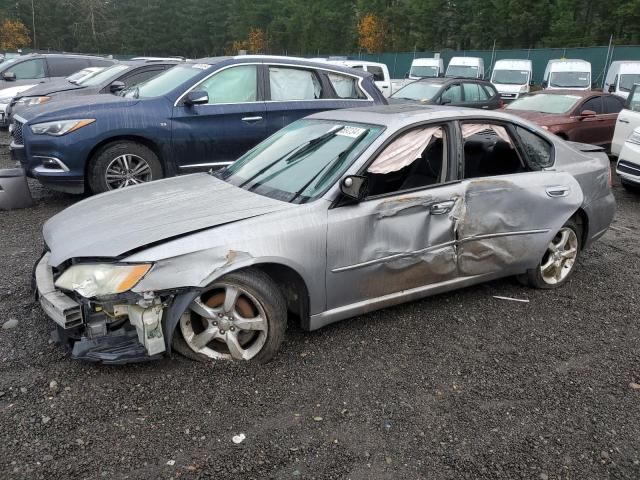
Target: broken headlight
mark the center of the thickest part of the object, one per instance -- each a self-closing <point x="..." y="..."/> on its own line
<point x="99" y="279"/>
<point x="60" y="127"/>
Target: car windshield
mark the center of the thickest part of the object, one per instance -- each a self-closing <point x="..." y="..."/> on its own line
<point x="462" y="71"/>
<point x="628" y="80"/>
<point x="545" y="103"/>
<point x="8" y="61"/>
<point x="105" y="75"/>
<point x="423" y="71"/>
<point x="166" y="81"/>
<point x="422" y="91"/>
<point x="570" y="79"/>
<point x="510" y="77"/>
<point x="300" y="162"/>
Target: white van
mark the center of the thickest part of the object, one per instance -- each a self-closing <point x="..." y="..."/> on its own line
<point x="380" y="72"/>
<point x="426" y="68"/>
<point x="512" y="78"/>
<point x="621" y="77"/>
<point x="468" y="67"/>
<point x="567" y="74"/>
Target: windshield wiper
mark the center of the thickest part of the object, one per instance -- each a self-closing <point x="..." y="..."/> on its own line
<point x="294" y="154"/>
<point x="327" y="169"/>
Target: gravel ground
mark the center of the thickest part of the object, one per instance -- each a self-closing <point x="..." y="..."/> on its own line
<point x="461" y="385"/>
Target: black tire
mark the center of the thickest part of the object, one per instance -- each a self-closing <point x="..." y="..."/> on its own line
<point x="265" y="291"/>
<point x="99" y="163"/>
<point x="534" y="277"/>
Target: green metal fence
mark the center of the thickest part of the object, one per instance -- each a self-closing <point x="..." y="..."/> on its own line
<point x="600" y="58"/>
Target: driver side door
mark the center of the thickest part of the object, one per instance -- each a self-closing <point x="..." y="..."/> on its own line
<point x="401" y="237"/>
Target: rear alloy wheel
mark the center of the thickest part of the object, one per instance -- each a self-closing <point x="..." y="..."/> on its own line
<point x="240" y="317"/>
<point x="123" y="164"/>
<point x="559" y="260"/>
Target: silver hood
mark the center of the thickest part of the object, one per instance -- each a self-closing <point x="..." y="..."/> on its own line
<point x="114" y="223"/>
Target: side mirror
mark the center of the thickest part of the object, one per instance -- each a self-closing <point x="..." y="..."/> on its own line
<point x="406" y="75"/>
<point x="586" y="114"/>
<point x="116" y="87"/>
<point x="354" y="187"/>
<point x="196" y="97"/>
<point x="440" y="74"/>
<point x="9" y="76"/>
<point x="545" y="84"/>
<point x="531" y="83"/>
<point x="612" y="88"/>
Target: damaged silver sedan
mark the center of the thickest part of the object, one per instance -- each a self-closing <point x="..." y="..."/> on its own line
<point x="337" y="214"/>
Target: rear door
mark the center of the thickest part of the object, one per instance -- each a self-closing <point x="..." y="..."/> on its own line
<point x="512" y="207"/>
<point x="293" y="92"/>
<point x="216" y="134"/>
<point x="628" y="120"/>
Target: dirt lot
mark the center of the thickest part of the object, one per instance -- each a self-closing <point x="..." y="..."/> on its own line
<point x="461" y="385"/>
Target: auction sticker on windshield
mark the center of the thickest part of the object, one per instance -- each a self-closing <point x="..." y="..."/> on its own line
<point x="350" y="131"/>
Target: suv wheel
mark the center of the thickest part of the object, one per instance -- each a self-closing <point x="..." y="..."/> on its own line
<point x="123" y="164"/>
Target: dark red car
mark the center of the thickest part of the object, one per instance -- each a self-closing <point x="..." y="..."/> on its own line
<point x="579" y="116"/>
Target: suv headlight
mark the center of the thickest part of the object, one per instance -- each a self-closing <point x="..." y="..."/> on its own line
<point x="60" y="127"/>
<point x="27" y="101"/>
<point x="6" y="100"/>
<point x="634" y="137"/>
<point x="99" y="279"/>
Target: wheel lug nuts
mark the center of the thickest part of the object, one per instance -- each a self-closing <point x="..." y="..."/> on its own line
<point x="222" y="331"/>
<point x="215" y="323"/>
<point x="232" y="329"/>
<point x="220" y="315"/>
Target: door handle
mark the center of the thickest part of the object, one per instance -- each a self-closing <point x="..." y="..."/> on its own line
<point x="441" y="208"/>
<point x="251" y="119"/>
<point x="622" y="120"/>
<point x="558" y="191"/>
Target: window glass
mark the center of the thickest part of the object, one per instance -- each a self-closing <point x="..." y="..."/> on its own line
<point x="105" y="75"/>
<point x="489" y="151"/>
<point x="594" y="104"/>
<point x="421" y="91"/>
<point x="634" y="100"/>
<point x="424" y="71"/>
<point x="300" y="162"/>
<point x="412" y="160"/>
<point x="539" y="151"/>
<point x="570" y="79"/>
<point x="293" y="84"/>
<point x="453" y="93"/>
<point x="628" y="80"/>
<point x="473" y="93"/>
<point x="378" y="73"/>
<point x="63" y="66"/>
<point x="232" y="85"/>
<point x="462" y="71"/>
<point x="510" y="77"/>
<point x="29" y="69"/>
<point x="345" y="86"/>
<point x="490" y="91"/>
<point x="545" y="103"/>
<point x="139" y="77"/>
<point x="167" y="81"/>
<point x="612" y="104"/>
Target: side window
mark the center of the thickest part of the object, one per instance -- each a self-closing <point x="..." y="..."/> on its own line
<point x="489" y="91"/>
<point x="414" y="159"/>
<point x="539" y="151"/>
<point x="29" y="69"/>
<point x="594" y="104"/>
<point x="474" y="93"/>
<point x="65" y="66"/>
<point x="453" y="94"/>
<point x="141" y="76"/>
<point x="612" y="104"/>
<point x="378" y="73"/>
<point x="489" y="151"/>
<point x="633" y="102"/>
<point x="345" y="86"/>
<point x="293" y="84"/>
<point x="232" y="85"/>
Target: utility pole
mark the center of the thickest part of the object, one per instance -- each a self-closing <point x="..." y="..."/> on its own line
<point x="33" y="23"/>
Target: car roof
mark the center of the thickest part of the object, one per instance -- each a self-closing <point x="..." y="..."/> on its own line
<point x="443" y="80"/>
<point x="400" y="115"/>
<point x="63" y="55"/>
<point x="575" y="93"/>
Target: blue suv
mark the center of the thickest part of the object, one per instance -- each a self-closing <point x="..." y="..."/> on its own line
<point x="195" y="116"/>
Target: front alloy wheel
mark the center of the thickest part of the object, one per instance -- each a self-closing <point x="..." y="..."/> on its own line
<point x="127" y="169"/>
<point x="240" y="317"/>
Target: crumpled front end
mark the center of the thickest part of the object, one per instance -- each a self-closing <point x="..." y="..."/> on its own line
<point x="112" y="329"/>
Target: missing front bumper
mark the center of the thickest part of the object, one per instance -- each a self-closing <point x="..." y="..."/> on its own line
<point x="138" y="337"/>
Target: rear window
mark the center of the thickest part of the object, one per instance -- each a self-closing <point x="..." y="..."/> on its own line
<point x="345" y="86"/>
<point x="378" y="73"/>
<point x="539" y="152"/>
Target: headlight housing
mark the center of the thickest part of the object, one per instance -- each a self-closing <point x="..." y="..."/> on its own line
<point x="27" y="101"/>
<point x="634" y="137"/>
<point x="60" y="127"/>
<point x="99" y="279"/>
